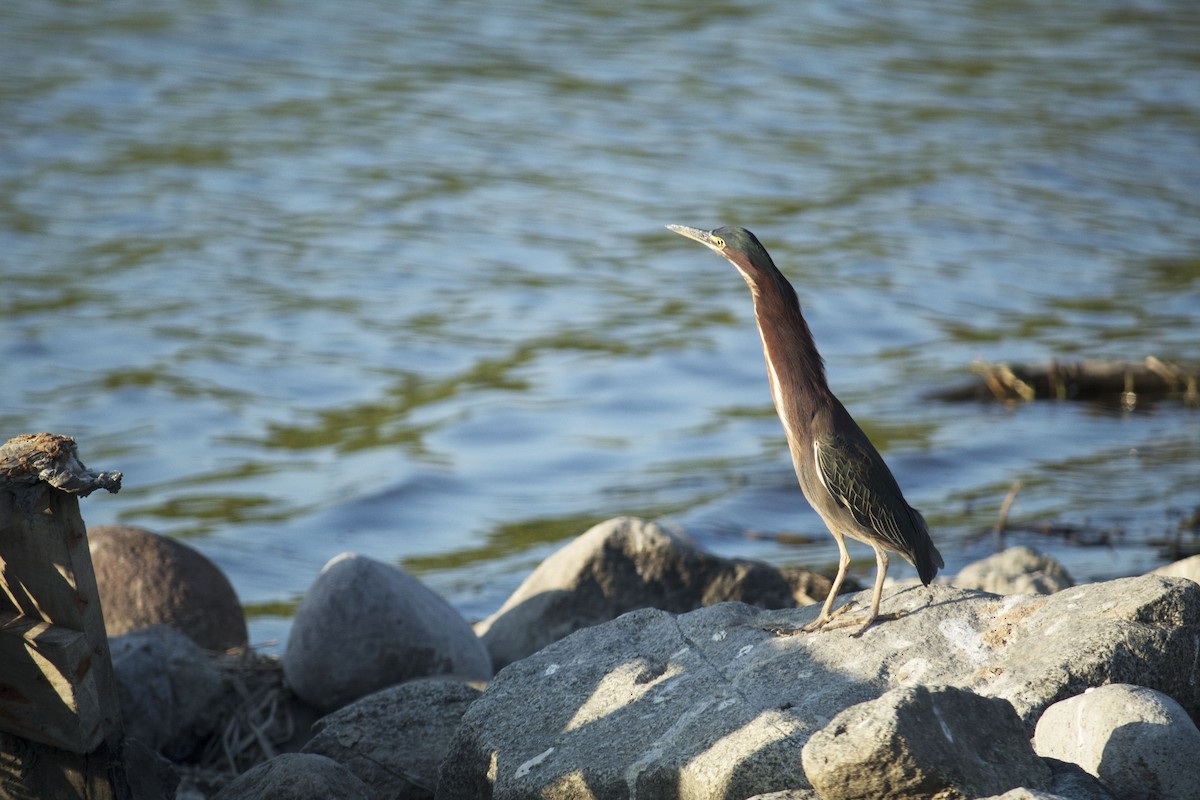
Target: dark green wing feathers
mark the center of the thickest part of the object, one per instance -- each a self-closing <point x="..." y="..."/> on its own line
<point x="853" y="472"/>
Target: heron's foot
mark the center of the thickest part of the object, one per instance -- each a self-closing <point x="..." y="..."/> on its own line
<point x="823" y="621"/>
<point x="864" y="622"/>
<point x="811" y="627"/>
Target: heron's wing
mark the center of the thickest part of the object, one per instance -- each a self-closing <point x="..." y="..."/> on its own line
<point x="854" y="474"/>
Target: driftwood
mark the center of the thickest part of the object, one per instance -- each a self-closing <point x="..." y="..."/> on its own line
<point x="1005" y="507"/>
<point x="26" y="461"/>
<point x="1078" y="535"/>
<point x="60" y="725"/>
<point x="1182" y="542"/>
<point x="265" y="721"/>
<point x="1121" y="382"/>
<point x="1085" y="535"/>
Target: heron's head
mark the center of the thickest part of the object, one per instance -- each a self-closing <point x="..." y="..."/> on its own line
<point x="740" y="247"/>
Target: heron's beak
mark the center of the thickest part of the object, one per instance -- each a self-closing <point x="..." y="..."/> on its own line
<point x="703" y="237"/>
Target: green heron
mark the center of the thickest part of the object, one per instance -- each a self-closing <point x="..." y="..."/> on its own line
<point x="842" y="475"/>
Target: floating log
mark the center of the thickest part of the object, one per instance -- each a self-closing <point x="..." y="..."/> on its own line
<point x="1121" y="382"/>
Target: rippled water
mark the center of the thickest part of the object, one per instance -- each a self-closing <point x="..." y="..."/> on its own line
<point x="392" y="277"/>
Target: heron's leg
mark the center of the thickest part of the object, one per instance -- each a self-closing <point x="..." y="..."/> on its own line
<point x="864" y="622"/>
<point x="843" y="566"/>
<point x="881" y="565"/>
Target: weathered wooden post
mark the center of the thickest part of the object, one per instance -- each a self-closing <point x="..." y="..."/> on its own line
<point x="60" y="724"/>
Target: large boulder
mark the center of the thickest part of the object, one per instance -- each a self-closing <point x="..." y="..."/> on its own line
<point x="296" y="776"/>
<point x="1184" y="568"/>
<point x="810" y="587"/>
<point x="364" y="625"/>
<point x="1134" y="739"/>
<point x="1017" y="570"/>
<point x="1029" y="794"/>
<point x="171" y="695"/>
<point x="1072" y="782"/>
<point x="918" y="742"/>
<point x="719" y="702"/>
<point x="618" y="566"/>
<point x="145" y="579"/>
<point x="394" y="739"/>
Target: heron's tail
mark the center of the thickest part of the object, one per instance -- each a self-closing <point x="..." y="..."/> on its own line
<point x="926" y="557"/>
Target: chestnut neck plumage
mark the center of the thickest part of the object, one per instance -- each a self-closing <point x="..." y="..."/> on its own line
<point x="795" y="368"/>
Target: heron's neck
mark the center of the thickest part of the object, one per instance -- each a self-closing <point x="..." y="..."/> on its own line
<point x="795" y="368"/>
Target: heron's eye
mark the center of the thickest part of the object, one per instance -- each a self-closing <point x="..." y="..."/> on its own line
<point x="719" y="242"/>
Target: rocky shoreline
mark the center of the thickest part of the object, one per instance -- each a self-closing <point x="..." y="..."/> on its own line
<point x="632" y="664"/>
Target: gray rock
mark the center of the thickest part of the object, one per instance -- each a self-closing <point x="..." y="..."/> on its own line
<point x="365" y="625"/>
<point x="150" y="776"/>
<point x="171" y="694"/>
<point x="1134" y="739"/>
<point x="917" y="742"/>
<point x="638" y="706"/>
<point x="618" y="566"/>
<point x="145" y="579"/>
<point x="1017" y="570"/>
<point x="394" y="739"/>
<point x="810" y="587"/>
<point x="1186" y="568"/>
<point x="788" y="794"/>
<point x="1072" y="782"/>
<point x="1120" y="631"/>
<point x="1075" y="788"/>
<point x="296" y="776"/>
<point x="715" y="703"/>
